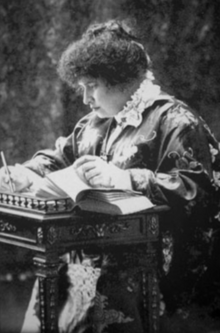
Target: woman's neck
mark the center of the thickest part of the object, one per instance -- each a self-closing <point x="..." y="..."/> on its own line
<point x="133" y="87"/>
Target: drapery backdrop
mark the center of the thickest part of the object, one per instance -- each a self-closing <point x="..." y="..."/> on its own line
<point x="35" y="107"/>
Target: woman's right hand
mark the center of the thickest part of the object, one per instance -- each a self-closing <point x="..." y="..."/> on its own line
<point x="19" y="177"/>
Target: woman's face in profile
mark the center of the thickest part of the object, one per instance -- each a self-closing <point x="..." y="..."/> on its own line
<point x="103" y="100"/>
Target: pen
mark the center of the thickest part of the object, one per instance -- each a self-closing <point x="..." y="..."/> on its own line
<point x="7" y="171"/>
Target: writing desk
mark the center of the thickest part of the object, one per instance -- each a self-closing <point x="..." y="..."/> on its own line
<point x="50" y="227"/>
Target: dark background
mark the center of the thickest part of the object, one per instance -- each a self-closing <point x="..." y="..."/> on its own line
<point x="182" y="38"/>
<point x="36" y="108"/>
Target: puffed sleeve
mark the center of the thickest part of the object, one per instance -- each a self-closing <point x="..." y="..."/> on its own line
<point x="182" y="159"/>
<point x="48" y="160"/>
<point x="64" y="154"/>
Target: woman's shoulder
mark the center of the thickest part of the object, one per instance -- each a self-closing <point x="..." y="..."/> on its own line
<point x="175" y="112"/>
<point x="182" y="112"/>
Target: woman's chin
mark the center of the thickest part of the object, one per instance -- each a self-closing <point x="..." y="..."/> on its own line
<point x="102" y="115"/>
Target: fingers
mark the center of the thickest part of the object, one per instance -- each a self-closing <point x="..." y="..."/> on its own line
<point x="91" y="173"/>
<point x="93" y="170"/>
<point x="5" y="181"/>
<point x="4" y="174"/>
<point x="18" y="177"/>
<point x="86" y="167"/>
<point x="97" y="181"/>
<point x="89" y="170"/>
<point x="89" y="167"/>
<point x="84" y="159"/>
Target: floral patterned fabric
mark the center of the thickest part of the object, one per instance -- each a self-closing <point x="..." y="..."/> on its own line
<point x="170" y="154"/>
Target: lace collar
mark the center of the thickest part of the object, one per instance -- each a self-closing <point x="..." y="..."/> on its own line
<point x="144" y="97"/>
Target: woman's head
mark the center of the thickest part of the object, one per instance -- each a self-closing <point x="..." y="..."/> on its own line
<point x="106" y="51"/>
<point x="105" y="101"/>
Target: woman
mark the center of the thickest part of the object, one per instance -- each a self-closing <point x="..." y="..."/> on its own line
<point x="135" y="137"/>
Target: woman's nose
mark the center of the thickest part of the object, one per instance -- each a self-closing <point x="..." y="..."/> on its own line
<point x="87" y="97"/>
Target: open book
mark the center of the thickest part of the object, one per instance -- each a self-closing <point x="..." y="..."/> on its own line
<point x="66" y="182"/>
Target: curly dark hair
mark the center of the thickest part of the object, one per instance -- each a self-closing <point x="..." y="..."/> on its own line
<point x="106" y="51"/>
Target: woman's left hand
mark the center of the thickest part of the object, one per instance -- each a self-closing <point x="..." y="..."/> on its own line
<point x="98" y="173"/>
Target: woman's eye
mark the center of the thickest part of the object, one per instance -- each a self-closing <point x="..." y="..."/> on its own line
<point x="80" y="90"/>
<point x="88" y="87"/>
<point x="92" y="85"/>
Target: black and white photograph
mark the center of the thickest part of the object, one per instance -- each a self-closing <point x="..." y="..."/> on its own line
<point x="109" y="166"/>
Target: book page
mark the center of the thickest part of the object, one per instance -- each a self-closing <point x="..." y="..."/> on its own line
<point x="68" y="180"/>
<point x="45" y="188"/>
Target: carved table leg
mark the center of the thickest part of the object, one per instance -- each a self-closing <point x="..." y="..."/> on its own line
<point x="154" y="302"/>
<point x="47" y="274"/>
<point x="151" y="300"/>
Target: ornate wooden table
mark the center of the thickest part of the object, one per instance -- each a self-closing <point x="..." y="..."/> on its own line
<point x="51" y="227"/>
